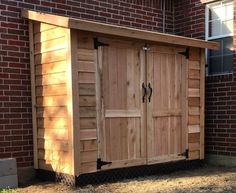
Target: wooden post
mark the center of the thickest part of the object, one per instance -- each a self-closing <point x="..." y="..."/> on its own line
<point x="202" y="104"/>
<point x="99" y="117"/>
<point x="73" y="99"/>
<point x="33" y="99"/>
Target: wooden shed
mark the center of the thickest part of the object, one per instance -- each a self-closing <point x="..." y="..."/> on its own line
<point x="106" y="97"/>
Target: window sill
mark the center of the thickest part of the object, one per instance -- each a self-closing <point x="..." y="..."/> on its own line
<point x="220" y="74"/>
<point x="224" y="77"/>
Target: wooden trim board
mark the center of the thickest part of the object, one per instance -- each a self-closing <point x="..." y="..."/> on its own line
<point x="75" y="101"/>
<point x="33" y="98"/>
<point x="116" y="30"/>
<point x="202" y="105"/>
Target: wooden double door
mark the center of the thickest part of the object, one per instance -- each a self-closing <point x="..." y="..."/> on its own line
<point x="140" y="104"/>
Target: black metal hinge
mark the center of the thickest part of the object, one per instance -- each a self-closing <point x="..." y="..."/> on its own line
<point x="186" y="53"/>
<point x="101" y="163"/>
<point x="184" y="153"/>
<point x="98" y="44"/>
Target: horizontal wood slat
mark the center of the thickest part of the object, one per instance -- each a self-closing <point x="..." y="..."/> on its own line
<point x="86" y="55"/>
<point x="194" y="146"/>
<point x="51" y="90"/>
<point x="193" y="155"/>
<point x="86" y="112"/>
<point x="122" y="113"/>
<point x="50" y="68"/>
<point x="50" y="79"/>
<point x="87" y="89"/>
<point x="50" y="45"/>
<point x="51" y="101"/>
<point x="193" y="137"/>
<point x="195" y="65"/>
<point x="51" y="34"/>
<point x="194" y="74"/>
<point x="58" y="134"/>
<point x="40" y="27"/>
<point x="88" y="134"/>
<point x="85" y="66"/>
<point x="53" y="123"/>
<point x="167" y="113"/>
<point x="87" y="77"/>
<point x="55" y="166"/>
<point x="87" y="123"/>
<point x="87" y="101"/>
<point x="50" y="155"/>
<point x="194" y="119"/>
<point x="55" y="145"/>
<point x="88" y="145"/>
<point x="49" y="57"/>
<point x="88" y="167"/>
<point x="194" y="102"/>
<point x="193" y="128"/>
<point x="192" y="92"/>
<point x="194" y="83"/>
<point x="88" y="156"/>
<point x="194" y="110"/>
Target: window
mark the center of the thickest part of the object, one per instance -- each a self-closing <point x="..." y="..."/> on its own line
<point x="219" y="28"/>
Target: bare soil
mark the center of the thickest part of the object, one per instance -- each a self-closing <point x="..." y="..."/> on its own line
<point x="207" y="179"/>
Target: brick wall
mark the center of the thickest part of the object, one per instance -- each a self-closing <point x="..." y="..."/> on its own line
<point x="187" y="19"/>
<point x="220" y="121"/>
<point x="221" y="112"/>
<point x="15" y="100"/>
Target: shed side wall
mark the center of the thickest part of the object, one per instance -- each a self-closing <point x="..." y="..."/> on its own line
<point x="87" y="102"/>
<point x="194" y="103"/>
<point x="51" y="51"/>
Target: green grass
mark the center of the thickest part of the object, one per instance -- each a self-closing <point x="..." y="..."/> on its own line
<point x="8" y="190"/>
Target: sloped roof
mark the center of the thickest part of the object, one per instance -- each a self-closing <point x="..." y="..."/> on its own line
<point x="109" y="29"/>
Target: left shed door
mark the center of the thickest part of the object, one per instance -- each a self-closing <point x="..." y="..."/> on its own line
<point x="121" y="74"/>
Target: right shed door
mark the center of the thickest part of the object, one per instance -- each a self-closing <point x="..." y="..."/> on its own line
<point x="166" y="104"/>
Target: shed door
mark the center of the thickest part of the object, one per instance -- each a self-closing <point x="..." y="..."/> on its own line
<point x="166" y="125"/>
<point x="122" y="138"/>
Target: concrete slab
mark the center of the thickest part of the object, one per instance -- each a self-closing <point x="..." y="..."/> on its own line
<point x="220" y="160"/>
<point x="8" y="181"/>
<point x="8" y="167"/>
<point x="25" y="175"/>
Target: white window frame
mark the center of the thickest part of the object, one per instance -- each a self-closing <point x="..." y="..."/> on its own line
<point x="207" y="38"/>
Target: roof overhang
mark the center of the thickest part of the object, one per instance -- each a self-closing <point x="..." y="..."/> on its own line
<point x="91" y="26"/>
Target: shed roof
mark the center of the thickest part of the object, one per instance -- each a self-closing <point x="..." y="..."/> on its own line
<point x="109" y="29"/>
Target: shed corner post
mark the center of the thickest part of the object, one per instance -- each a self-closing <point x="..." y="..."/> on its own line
<point x="73" y="107"/>
<point x="33" y="95"/>
<point x="202" y="104"/>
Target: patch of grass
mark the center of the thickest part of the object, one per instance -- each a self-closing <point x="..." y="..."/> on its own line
<point x="8" y="190"/>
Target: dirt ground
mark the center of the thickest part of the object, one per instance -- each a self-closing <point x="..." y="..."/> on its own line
<point x="206" y="179"/>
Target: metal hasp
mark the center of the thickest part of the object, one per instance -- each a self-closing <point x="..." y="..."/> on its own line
<point x="184" y="153"/>
<point x="98" y="44"/>
<point x="101" y="163"/>
<point x="186" y="53"/>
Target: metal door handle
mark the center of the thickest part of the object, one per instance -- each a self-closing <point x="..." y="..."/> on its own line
<point x="150" y="88"/>
<point x="145" y="91"/>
